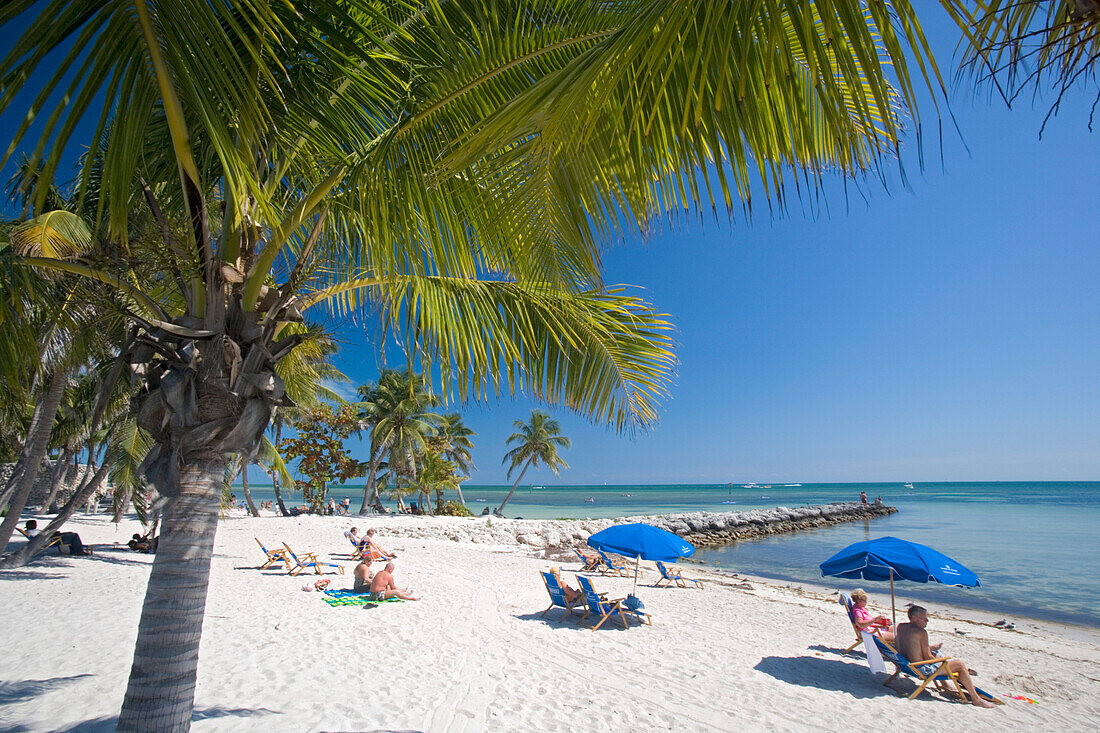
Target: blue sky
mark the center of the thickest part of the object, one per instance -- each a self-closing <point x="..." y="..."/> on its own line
<point x="944" y="331"/>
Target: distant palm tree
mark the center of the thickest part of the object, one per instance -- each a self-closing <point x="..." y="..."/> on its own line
<point x="452" y="438"/>
<point x="397" y="409"/>
<point x="538" y="441"/>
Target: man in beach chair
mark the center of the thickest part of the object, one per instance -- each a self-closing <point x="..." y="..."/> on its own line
<point x="31" y="532"/>
<point x="674" y="576"/>
<point x="606" y="609"/>
<point x="558" y="595"/>
<point x="273" y="556"/>
<point x="912" y="643"/>
<point x="589" y="563"/>
<point x="307" y="560"/>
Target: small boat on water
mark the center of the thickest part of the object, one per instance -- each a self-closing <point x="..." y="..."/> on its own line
<point x="751" y="486"/>
<point x="729" y="502"/>
<point x="626" y="494"/>
<point x="480" y="499"/>
<point x="590" y="500"/>
<point x="765" y="497"/>
<point x="908" y="485"/>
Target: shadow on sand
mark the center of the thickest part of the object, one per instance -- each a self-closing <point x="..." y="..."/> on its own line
<point x="13" y="692"/>
<point x="833" y="675"/>
<point x="108" y="724"/>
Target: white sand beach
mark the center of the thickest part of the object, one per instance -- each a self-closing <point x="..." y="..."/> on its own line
<point x="475" y="655"/>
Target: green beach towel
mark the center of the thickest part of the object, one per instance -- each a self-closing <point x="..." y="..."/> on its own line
<point x="351" y="598"/>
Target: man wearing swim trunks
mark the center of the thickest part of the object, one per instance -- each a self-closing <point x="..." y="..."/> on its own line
<point x="382" y="587"/>
<point x="912" y="641"/>
<point x="362" y="576"/>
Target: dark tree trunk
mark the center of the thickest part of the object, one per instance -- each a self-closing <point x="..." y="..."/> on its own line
<point x="247" y="493"/>
<point x="34" y="448"/>
<point x="161" y="692"/>
<point x="370" y="493"/>
<point x="275" y="473"/>
<point x="500" y="509"/>
<point x="77" y="500"/>
<point x="58" y="476"/>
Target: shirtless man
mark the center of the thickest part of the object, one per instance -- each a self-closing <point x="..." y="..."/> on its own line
<point x="912" y="641"/>
<point x="383" y="587"/>
<point x="362" y="576"/>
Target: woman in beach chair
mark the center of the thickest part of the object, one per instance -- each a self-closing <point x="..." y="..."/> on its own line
<point x="611" y="566"/>
<point x="673" y="575"/>
<point x="561" y="595"/>
<point x="862" y="620"/>
<point x="589" y="563"/>
<point x="606" y="609"/>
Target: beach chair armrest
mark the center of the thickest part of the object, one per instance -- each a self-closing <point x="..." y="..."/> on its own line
<point x="613" y="601"/>
<point x="934" y="660"/>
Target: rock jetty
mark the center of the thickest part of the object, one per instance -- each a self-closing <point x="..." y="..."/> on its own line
<point x="555" y="536"/>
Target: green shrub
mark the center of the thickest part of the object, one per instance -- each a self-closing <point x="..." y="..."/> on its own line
<point x="453" y="509"/>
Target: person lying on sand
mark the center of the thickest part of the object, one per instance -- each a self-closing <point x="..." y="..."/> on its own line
<point x="362" y="575"/>
<point x="864" y="621"/>
<point x="140" y="543"/>
<point x="383" y="587"/>
<point x="912" y="641"/>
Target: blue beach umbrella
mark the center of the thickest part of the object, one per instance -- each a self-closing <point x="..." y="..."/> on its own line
<point x="889" y="557"/>
<point x="641" y="542"/>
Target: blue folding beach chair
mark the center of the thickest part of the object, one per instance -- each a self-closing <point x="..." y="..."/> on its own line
<point x="557" y="595"/>
<point x="607" y="609"/>
<point x="308" y="560"/>
<point x="610" y="566"/>
<point x="674" y="576"/>
<point x="940" y="674"/>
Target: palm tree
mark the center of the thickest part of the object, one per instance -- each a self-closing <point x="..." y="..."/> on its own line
<point x="436" y="474"/>
<point x="397" y="411"/>
<point x="1019" y="46"/>
<point x="454" y="440"/>
<point x="538" y="443"/>
<point x="394" y="158"/>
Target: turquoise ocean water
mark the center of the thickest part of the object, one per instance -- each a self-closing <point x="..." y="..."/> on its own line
<point x="1035" y="545"/>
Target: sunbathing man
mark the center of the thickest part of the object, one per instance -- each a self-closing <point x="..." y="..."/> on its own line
<point x="864" y="621"/>
<point x="912" y="642"/>
<point x="383" y="587"/>
<point x="362" y="576"/>
<point x="69" y="540"/>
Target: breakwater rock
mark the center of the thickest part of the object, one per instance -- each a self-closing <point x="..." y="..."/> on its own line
<point x="558" y="536"/>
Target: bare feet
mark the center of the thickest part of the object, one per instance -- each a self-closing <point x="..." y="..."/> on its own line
<point x="983" y="703"/>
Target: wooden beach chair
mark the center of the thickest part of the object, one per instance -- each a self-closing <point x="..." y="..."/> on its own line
<point x="589" y="563"/>
<point x="940" y="675"/>
<point x="610" y="566"/>
<point x="308" y="560"/>
<point x="273" y="556"/>
<point x="557" y="596"/>
<point x="674" y="576"/>
<point x="846" y="601"/>
<point x="606" y="609"/>
<point x="55" y="541"/>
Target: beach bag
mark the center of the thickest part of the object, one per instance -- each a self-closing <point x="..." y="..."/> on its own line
<point x="633" y="603"/>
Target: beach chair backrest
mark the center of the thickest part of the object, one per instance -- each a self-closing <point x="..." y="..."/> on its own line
<point x="663" y="570"/>
<point x="291" y="553"/>
<point x="347" y="534"/>
<point x="606" y="559"/>
<point x="580" y="554"/>
<point x="552" y="587"/>
<point x="261" y="544"/>
<point x="846" y="601"/>
<point x="590" y="595"/>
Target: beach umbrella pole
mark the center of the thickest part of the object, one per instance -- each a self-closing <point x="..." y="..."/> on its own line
<point x="637" y="562"/>
<point x="893" y="612"/>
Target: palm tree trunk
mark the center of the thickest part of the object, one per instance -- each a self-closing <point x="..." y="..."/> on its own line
<point x="57" y="477"/>
<point x="370" y="494"/>
<point x="461" y="501"/>
<point x="527" y="465"/>
<point x="78" y="499"/>
<point x="161" y="692"/>
<point x="38" y="440"/>
<point x="247" y="493"/>
<point x="275" y="473"/>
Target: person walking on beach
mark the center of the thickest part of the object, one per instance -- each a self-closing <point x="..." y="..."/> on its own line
<point x="362" y="576"/>
<point x="913" y="643"/>
<point x="382" y="587"/>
